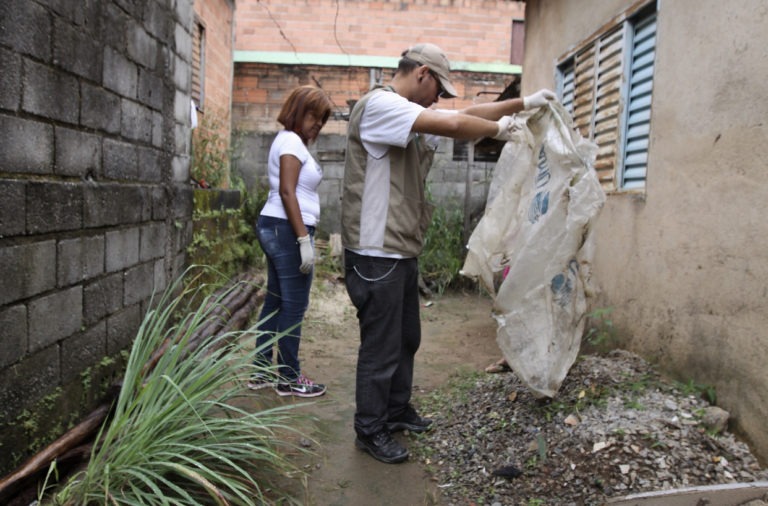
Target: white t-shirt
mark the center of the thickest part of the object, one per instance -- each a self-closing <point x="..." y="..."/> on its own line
<point x="386" y="121"/>
<point x="310" y="175"/>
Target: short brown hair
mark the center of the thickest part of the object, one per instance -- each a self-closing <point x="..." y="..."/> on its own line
<point x="301" y="101"/>
<point x="406" y="65"/>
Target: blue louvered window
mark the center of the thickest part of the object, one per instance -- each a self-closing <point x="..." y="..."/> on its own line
<point x="606" y="83"/>
<point x="638" y="123"/>
<point x="566" y="88"/>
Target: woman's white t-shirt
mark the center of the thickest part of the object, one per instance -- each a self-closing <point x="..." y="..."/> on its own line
<point x="310" y="175"/>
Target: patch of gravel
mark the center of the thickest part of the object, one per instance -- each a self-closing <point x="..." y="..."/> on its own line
<point x="615" y="428"/>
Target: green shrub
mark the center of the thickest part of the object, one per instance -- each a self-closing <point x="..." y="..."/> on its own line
<point x="444" y="251"/>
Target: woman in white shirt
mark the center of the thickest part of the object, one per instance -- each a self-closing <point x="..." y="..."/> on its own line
<point x="286" y="228"/>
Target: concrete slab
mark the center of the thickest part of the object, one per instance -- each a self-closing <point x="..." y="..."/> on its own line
<point x="731" y="494"/>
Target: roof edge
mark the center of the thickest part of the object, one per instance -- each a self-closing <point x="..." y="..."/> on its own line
<point x="357" y="60"/>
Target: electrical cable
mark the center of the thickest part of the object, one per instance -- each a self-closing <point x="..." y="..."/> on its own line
<point x="339" y="112"/>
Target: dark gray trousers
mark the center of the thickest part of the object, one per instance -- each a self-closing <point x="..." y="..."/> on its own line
<point x="385" y="292"/>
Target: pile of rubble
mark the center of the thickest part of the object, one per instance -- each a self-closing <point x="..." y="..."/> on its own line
<point x="615" y="428"/>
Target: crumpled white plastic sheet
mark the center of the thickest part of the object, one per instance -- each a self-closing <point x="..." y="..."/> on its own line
<point x="544" y="199"/>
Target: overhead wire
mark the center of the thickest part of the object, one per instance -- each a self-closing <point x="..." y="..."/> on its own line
<point x="339" y="111"/>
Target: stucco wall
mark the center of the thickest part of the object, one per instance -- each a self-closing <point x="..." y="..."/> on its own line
<point x="684" y="265"/>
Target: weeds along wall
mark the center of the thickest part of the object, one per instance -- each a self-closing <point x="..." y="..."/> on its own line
<point x="95" y="209"/>
<point x="223" y="235"/>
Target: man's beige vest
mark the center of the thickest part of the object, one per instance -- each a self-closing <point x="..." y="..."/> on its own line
<point x="408" y="213"/>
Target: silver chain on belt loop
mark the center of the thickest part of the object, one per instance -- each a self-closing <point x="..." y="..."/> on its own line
<point x="380" y="277"/>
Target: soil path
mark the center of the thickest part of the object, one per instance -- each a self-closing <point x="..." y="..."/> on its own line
<point x="457" y="332"/>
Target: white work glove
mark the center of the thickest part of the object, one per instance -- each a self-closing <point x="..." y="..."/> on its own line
<point x="538" y="99"/>
<point x="307" y="254"/>
<point x="507" y="128"/>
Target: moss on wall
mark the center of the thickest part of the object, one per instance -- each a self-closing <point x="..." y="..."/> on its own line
<point x="50" y="417"/>
<point x="222" y="237"/>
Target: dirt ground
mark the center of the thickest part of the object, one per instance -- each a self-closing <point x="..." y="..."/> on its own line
<point x="457" y="332"/>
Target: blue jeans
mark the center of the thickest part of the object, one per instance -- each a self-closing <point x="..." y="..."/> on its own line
<point x="385" y="292"/>
<point x="287" y="295"/>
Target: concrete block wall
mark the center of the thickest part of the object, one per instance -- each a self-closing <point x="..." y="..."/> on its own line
<point x="447" y="179"/>
<point x="467" y="30"/>
<point x="95" y="209"/>
<point x="260" y="90"/>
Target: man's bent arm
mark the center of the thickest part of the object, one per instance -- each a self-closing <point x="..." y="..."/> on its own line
<point x="457" y="126"/>
<point x="495" y="110"/>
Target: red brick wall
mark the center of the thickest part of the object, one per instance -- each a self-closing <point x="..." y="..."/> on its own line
<point x="467" y="30"/>
<point x="216" y="16"/>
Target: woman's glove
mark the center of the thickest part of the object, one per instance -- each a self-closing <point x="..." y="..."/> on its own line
<point x="307" y="254"/>
<point x="538" y="99"/>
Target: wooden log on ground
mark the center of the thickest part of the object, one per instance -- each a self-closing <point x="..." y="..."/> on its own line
<point x="217" y="324"/>
<point x="216" y="305"/>
<point x="223" y="310"/>
<point x="219" y="309"/>
<point x="240" y="318"/>
<point x="72" y="438"/>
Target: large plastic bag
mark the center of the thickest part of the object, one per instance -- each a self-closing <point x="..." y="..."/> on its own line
<point x="544" y="198"/>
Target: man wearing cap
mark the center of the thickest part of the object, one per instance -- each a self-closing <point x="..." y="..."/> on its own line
<point x="391" y="140"/>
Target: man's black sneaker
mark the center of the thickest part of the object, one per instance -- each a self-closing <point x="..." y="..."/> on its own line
<point x="409" y="420"/>
<point x="301" y="387"/>
<point x="382" y="446"/>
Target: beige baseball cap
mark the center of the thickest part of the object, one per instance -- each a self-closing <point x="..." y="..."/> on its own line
<point x="434" y="58"/>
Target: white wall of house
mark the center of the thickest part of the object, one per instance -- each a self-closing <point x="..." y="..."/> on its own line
<point x="684" y="260"/>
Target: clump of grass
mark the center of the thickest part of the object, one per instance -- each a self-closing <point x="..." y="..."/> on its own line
<point x="601" y="334"/>
<point x="444" y="251"/>
<point x="178" y="434"/>
<point x="706" y="392"/>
